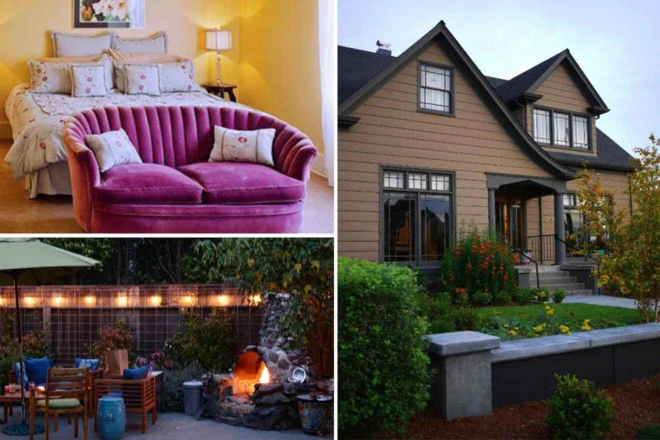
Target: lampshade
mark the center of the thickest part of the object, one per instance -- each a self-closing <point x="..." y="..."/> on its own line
<point x="217" y="39"/>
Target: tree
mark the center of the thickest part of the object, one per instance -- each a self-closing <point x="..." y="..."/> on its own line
<point x="631" y="262"/>
<point x="303" y="267"/>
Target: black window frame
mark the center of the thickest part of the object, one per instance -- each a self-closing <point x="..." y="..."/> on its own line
<point x="451" y="192"/>
<point x="451" y="91"/>
<point x="571" y="114"/>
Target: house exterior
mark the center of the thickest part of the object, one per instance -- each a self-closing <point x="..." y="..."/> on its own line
<point x="427" y="143"/>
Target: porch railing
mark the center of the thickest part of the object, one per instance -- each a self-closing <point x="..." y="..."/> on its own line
<point x="542" y="247"/>
<point x="522" y="256"/>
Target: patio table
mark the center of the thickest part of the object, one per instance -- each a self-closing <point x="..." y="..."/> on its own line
<point x="8" y="400"/>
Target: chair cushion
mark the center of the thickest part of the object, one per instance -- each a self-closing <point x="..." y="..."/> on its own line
<point x="92" y="364"/>
<point x="244" y="183"/>
<point x="60" y="403"/>
<point x="136" y="373"/>
<point x="37" y="369"/>
<point x="147" y="184"/>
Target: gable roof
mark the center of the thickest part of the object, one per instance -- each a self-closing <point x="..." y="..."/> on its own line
<point x="487" y="92"/>
<point x="530" y="80"/>
<point x="356" y="67"/>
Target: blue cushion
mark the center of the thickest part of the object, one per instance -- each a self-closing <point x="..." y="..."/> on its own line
<point x="92" y="364"/>
<point x="17" y="373"/>
<point x="37" y="369"/>
<point x="136" y="373"/>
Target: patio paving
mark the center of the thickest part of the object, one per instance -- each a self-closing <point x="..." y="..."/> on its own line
<point x="603" y="300"/>
<point x="170" y="426"/>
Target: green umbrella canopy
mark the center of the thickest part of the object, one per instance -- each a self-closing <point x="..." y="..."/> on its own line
<point x="37" y="263"/>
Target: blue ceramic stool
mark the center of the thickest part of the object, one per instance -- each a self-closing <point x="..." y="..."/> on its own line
<point x="112" y="418"/>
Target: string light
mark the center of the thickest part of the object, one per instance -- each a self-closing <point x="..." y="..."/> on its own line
<point x="223" y="300"/>
<point x="122" y="300"/>
<point x="89" y="300"/>
<point x="156" y="300"/>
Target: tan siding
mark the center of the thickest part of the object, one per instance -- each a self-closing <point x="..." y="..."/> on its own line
<point x="392" y="132"/>
<point x="561" y="92"/>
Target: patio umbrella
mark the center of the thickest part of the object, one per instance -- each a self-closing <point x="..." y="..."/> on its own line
<point x="29" y="261"/>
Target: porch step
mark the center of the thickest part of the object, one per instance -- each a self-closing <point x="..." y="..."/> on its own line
<point x="564" y="286"/>
<point x="579" y="292"/>
<point x="553" y="278"/>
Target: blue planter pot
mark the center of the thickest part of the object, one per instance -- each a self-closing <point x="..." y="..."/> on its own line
<point x="314" y="414"/>
<point x="112" y="418"/>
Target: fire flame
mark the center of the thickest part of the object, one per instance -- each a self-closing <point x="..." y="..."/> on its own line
<point x="265" y="376"/>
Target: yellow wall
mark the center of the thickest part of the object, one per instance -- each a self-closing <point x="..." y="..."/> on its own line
<point x="280" y="71"/>
<point x="24" y="27"/>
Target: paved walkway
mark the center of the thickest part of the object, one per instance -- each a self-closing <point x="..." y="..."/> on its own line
<point x="603" y="300"/>
<point x="170" y="426"/>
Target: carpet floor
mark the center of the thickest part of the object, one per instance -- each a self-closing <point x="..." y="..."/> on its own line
<point x="54" y="214"/>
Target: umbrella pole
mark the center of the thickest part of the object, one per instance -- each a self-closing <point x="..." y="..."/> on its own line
<point x="20" y="348"/>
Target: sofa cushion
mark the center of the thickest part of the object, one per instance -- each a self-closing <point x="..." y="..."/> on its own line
<point x="148" y="184"/>
<point x="244" y="183"/>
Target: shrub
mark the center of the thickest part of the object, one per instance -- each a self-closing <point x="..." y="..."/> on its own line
<point x="383" y="365"/>
<point x="478" y="262"/>
<point x="501" y="298"/>
<point x="648" y="432"/>
<point x="524" y="296"/>
<point x="579" y="411"/>
<point x="541" y="295"/>
<point x="171" y="399"/>
<point x="482" y="299"/>
<point x="558" y="296"/>
<point x="461" y="299"/>
<point x="210" y="341"/>
<point x="436" y="310"/>
<point x="465" y="319"/>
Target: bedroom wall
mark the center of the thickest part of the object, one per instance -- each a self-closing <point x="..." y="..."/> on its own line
<point x="24" y="27"/>
<point x="279" y="70"/>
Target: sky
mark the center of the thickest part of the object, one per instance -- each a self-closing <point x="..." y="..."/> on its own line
<point x="615" y="43"/>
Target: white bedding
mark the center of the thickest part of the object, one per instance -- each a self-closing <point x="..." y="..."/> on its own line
<point x="37" y="121"/>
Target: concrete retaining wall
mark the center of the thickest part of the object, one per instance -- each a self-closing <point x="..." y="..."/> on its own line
<point x="523" y="370"/>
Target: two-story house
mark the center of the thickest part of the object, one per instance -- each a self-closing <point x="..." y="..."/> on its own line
<point x="426" y="142"/>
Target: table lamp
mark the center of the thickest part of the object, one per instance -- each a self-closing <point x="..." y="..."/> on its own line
<point x="217" y="40"/>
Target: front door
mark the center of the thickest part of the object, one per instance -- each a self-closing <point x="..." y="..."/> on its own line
<point x="510" y="220"/>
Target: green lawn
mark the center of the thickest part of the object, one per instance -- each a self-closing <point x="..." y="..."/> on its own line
<point x="516" y="322"/>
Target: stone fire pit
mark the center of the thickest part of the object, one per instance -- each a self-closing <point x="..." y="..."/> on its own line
<point x="258" y="392"/>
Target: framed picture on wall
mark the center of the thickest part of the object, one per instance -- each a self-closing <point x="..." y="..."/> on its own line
<point x="108" y="14"/>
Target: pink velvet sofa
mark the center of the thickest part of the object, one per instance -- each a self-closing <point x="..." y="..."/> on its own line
<point x="176" y="189"/>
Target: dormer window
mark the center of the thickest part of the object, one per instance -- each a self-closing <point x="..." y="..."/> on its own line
<point x="561" y="129"/>
<point x="436" y="89"/>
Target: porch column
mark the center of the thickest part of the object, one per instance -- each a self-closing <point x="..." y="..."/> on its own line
<point x="560" y="246"/>
<point x="491" y="209"/>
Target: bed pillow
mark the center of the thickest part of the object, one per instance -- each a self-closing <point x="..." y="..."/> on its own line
<point x="156" y="43"/>
<point x="112" y="148"/>
<point x="69" y="45"/>
<point x="55" y="77"/>
<point x="142" y="79"/>
<point x="87" y="81"/>
<point x="178" y="77"/>
<point x="85" y="59"/>
<point x="157" y="58"/>
<point x="254" y="146"/>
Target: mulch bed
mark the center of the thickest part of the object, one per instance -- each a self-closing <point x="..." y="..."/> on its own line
<point x="636" y="403"/>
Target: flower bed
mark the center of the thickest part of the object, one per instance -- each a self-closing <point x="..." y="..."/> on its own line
<point x="518" y="322"/>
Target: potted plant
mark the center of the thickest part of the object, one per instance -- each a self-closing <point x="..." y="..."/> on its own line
<point x="315" y="410"/>
<point x="114" y="347"/>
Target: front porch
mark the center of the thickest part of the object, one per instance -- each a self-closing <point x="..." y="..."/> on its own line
<point x="515" y="212"/>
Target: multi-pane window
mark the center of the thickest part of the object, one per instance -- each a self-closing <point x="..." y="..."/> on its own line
<point x="435" y="89"/>
<point x="561" y="129"/>
<point x="580" y="132"/>
<point x="542" y="126"/>
<point x="570" y="200"/>
<point x="417" y="215"/>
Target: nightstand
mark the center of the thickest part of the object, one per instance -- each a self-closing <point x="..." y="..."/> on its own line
<point x="221" y="89"/>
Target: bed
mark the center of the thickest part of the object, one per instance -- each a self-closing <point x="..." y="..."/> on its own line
<point x="38" y="154"/>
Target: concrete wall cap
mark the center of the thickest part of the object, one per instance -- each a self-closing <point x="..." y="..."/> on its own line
<point x="621" y="335"/>
<point x="544" y="346"/>
<point x="457" y="343"/>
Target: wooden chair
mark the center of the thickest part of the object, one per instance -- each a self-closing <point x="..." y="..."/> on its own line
<point x="67" y="392"/>
<point x="139" y="397"/>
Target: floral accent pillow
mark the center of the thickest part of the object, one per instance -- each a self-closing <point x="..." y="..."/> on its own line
<point x="112" y="148"/>
<point x="88" y="81"/>
<point x="142" y="79"/>
<point x="255" y="146"/>
<point x="55" y="77"/>
<point x="178" y="77"/>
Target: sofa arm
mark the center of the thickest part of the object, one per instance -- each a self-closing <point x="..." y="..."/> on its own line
<point x="296" y="157"/>
<point x="84" y="171"/>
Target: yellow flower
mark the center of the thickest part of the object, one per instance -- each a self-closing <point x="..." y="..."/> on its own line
<point x="586" y="327"/>
<point x="550" y="312"/>
<point x="538" y="328"/>
<point x="545" y="302"/>
<point x="586" y="322"/>
<point x="512" y="333"/>
<point x="547" y="307"/>
<point x="536" y="297"/>
<point x="515" y="328"/>
<point x="564" y="329"/>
